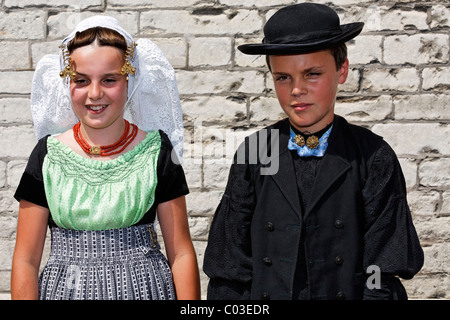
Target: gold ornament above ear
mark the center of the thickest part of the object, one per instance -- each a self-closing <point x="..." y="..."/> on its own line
<point x="67" y="71"/>
<point x="127" y="67"/>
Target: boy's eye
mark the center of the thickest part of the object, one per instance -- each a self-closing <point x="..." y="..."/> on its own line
<point x="313" y="74"/>
<point x="281" y="77"/>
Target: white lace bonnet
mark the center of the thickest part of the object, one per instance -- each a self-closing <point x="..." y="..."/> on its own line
<point x="153" y="101"/>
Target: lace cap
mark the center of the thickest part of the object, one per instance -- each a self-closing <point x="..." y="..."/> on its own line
<point x="153" y="100"/>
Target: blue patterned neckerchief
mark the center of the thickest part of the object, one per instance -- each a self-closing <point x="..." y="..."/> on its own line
<point x="305" y="151"/>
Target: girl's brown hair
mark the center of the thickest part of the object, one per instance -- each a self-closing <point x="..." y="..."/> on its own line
<point x="104" y="37"/>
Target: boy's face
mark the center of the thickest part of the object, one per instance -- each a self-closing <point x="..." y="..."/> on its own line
<point x="306" y="87"/>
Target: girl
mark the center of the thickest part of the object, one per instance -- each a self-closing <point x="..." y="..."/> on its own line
<point x="100" y="184"/>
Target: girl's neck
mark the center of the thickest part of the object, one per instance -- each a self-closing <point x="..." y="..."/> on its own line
<point x="103" y="136"/>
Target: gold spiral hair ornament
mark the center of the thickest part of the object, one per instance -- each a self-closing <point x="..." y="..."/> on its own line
<point x="67" y="71"/>
<point x="129" y="55"/>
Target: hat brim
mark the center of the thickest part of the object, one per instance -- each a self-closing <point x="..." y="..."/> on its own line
<point x="349" y="31"/>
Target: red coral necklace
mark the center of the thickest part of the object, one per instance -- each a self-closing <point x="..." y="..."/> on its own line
<point x="111" y="149"/>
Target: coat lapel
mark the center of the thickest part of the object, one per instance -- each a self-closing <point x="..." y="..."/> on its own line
<point x="285" y="177"/>
<point x="333" y="165"/>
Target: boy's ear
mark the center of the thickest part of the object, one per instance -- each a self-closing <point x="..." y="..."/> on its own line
<point x="343" y="72"/>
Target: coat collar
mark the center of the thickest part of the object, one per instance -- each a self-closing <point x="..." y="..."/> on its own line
<point x="334" y="164"/>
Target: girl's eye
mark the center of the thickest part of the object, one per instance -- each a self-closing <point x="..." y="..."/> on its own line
<point x="110" y="81"/>
<point x="80" y="81"/>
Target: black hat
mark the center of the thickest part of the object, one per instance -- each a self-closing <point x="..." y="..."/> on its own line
<point x="302" y="28"/>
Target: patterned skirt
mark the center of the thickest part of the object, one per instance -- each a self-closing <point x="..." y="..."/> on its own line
<point x="118" y="264"/>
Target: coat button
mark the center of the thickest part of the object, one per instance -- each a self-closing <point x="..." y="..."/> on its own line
<point x="340" y="295"/>
<point x="338" y="260"/>
<point x="265" y="296"/>
<point x="338" y="224"/>
<point x="269" y="226"/>
<point x="267" y="261"/>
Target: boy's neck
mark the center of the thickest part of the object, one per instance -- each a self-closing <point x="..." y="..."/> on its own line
<point x="307" y="133"/>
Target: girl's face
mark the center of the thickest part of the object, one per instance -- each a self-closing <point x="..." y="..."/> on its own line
<point x="306" y="87"/>
<point x="99" y="90"/>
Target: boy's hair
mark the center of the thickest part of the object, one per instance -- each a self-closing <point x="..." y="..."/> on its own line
<point x="339" y="53"/>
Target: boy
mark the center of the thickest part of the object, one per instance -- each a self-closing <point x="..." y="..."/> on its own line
<point x="332" y="222"/>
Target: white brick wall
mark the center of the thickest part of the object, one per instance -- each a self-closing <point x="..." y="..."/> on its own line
<point x="397" y="86"/>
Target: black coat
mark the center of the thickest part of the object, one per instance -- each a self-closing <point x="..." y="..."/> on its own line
<point x="354" y="219"/>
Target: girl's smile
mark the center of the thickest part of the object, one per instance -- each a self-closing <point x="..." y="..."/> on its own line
<point x="96" y="109"/>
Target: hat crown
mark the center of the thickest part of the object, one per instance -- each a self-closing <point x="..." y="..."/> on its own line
<point x="301" y="22"/>
<point x="303" y="28"/>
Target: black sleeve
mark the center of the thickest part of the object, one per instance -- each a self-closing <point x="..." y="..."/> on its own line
<point x="228" y="255"/>
<point x="31" y="185"/>
<point x="171" y="178"/>
<point x="391" y="241"/>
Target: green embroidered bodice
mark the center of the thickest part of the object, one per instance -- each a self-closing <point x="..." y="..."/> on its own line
<point x="87" y="194"/>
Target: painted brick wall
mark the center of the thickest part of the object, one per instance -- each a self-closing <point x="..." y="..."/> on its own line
<point x="398" y="86"/>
